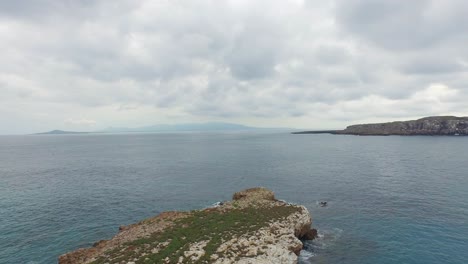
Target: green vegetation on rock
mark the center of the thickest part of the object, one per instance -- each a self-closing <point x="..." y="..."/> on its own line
<point x="253" y="227"/>
<point x="213" y="226"/>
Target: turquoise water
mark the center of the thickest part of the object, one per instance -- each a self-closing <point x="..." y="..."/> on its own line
<point x="390" y="199"/>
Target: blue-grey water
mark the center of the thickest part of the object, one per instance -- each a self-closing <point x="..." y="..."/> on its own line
<point x="390" y="199"/>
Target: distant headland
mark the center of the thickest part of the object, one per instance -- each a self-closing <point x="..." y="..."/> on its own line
<point x="428" y="126"/>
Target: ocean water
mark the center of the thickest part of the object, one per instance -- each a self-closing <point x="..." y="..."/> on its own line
<point x="390" y="199"/>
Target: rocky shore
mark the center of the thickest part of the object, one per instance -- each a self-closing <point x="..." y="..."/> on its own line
<point x="254" y="227"/>
<point x="428" y="126"/>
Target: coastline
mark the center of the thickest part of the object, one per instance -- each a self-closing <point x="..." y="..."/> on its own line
<point x="427" y="126"/>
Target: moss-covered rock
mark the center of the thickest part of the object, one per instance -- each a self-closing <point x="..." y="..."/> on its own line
<point x="253" y="228"/>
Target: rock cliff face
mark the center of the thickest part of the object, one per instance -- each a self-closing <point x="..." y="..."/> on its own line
<point x="252" y="228"/>
<point x="438" y="125"/>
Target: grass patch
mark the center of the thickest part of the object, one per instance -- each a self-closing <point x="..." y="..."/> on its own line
<point x="214" y="226"/>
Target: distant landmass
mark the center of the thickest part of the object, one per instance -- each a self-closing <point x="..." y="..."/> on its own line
<point x="190" y="127"/>
<point x="207" y="127"/>
<point x="60" y="132"/>
<point x="317" y="132"/>
<point x="431" y="126"/>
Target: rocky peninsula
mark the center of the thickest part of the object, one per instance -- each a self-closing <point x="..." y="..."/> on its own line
<point x="254" y="227"/>
<point x="430" y="126"/>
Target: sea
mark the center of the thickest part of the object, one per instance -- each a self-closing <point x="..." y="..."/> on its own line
<point x="391" y="199"/>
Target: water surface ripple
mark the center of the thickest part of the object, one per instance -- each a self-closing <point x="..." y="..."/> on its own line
<point x="390" y="199"/>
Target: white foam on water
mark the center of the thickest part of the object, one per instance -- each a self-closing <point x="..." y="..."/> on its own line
<point x="305" y="256"/>
<point x="324" y="240"/>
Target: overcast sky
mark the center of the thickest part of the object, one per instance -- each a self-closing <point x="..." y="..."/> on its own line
<point x="88" y="65"/>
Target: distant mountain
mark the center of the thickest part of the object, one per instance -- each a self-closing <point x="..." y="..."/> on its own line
<point x="60" y="132"/>
<point x="190" y="127"/>
<point x="430" y="126"/>
<point x="207" y="127"/>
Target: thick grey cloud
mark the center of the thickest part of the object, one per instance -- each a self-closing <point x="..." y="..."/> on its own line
<point x="427" y="65"/>
<point x="315" y="64"/>
<point x="401" y="24"/>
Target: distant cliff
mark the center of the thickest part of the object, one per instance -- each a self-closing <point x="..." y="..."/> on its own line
<point x="436" y="125"/>
<point x="431" y="126"/>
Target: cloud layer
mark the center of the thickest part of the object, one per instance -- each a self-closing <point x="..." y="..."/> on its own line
<point x="306" y="64"/>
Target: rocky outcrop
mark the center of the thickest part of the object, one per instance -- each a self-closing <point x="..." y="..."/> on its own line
<point x="438" y="125"/>
<point x="252" y="228"/>
<point x="430" y="126"/>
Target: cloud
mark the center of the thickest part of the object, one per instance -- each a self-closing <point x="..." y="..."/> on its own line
<point x="80" y="122"/>
<point x="272" y="63"/>
<point x="404" y="25"/>
<point x="428" y="65"/>
<point x="435" y="99"/>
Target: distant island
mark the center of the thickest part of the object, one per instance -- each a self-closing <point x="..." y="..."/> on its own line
<point x="189" y="127"/>
<point x="60" y="132"/>
<point x="430" y="126"/>
<point x="168" y="128"/>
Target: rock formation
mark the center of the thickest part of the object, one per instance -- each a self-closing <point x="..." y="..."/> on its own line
<point x="430" y="126"/>
<point x="252" y="228"/>
<point x="437" y="125"/>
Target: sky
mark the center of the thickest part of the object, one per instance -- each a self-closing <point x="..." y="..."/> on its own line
<point x="86" y="65"/>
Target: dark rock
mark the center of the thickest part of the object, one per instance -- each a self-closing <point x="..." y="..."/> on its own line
<point x="99" y="243"/>
<point x="310" y="235"/>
